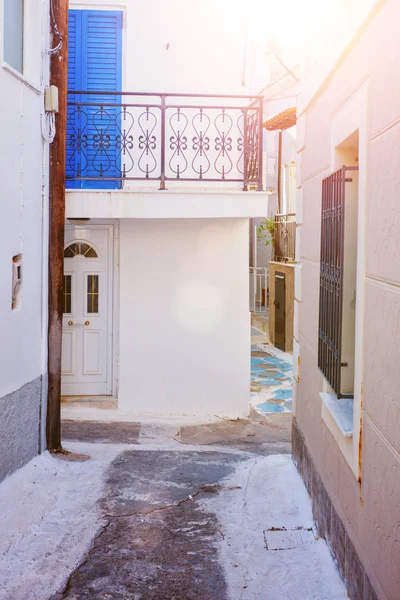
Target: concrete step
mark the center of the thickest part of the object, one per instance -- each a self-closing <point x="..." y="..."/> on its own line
<point x="260" y="321"/>
<point x="104" y="402"/>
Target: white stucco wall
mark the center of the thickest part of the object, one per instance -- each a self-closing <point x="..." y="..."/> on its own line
<point x="205" y="42"/>
<point x="328" y="38"/>
<point x="184" y="317"/>
<point x="22" y="173"/>
<point x="24" y="202"/>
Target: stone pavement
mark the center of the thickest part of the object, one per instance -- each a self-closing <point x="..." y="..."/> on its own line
<point x="271" y="377"/>
<point x="164" y="512"/>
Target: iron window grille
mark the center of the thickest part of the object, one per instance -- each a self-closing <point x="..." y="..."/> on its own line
<point x="331" y="278"/>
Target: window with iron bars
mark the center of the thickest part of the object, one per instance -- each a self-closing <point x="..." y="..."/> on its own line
<point x="332" y="284"/>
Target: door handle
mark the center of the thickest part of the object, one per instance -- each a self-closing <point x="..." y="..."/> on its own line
<point x="71" y="323"/>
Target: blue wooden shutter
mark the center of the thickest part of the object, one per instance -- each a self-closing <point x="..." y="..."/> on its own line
<point x="74" y="83"/>
<point x="97" y="66"/>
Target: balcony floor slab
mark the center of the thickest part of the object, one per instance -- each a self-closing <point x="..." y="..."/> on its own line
<point x="165" y="204"/>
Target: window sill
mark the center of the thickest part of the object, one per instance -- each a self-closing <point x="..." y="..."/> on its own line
<point x="21" y="78"/>
<point x="341" y="410"/>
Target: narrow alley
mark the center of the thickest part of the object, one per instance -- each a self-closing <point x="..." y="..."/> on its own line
<point x="164" y="512"/>
<point x="200" y="300"/>
<point x="271" y="376"/>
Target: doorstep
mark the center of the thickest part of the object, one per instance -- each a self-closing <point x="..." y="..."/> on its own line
<point x="102" y="402"/>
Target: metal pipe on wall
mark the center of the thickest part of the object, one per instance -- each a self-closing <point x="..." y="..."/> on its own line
<point x="279" y="176"/>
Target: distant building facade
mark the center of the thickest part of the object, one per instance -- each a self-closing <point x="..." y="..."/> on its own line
<point x="156" y="309"/>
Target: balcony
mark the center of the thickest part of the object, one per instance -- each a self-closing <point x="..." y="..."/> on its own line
<point x="116" y="138"/>
<point x="285" y="238"/>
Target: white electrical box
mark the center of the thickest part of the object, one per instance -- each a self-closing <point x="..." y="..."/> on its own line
<point x="51" y="99"/>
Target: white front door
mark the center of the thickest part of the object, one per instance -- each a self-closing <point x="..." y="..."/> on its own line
<point x="87" y="303"/>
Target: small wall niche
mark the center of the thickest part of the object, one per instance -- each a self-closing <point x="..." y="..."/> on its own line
<point x="16" y="282"/>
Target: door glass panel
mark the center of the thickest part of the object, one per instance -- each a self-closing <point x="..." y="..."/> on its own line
<point x="92" y="294"/>
<point x="80" y="248"/>
<point x="67" y="294"/>
<point x="88" y="251"/>
<point x="71" y="251"/>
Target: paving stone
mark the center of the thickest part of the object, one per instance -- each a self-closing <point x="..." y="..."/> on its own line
<point x="241" y="433"/>
<point x="99" y="431"/>
<point x="271" y="384"/>
<point x="269" y="407"/>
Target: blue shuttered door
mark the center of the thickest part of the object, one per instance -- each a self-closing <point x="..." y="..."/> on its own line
<point x="95" y="60"/>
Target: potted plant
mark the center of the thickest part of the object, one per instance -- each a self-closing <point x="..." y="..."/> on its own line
<point x="266" y="230"/>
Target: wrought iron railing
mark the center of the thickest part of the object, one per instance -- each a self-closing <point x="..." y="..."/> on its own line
<point x="285" y="238"/>
<point x="133" y="136"/>
<point x="258" y="277"/>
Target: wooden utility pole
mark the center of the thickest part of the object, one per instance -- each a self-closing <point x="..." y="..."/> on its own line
<point x="59" y="78"/>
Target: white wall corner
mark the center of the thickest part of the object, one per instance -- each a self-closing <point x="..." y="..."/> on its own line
<point x="297" y="244"/>
<point x="299" y="206"/>
<point x="301" y="132"/>
<point x="298" y="282"/>
<point x="294" y="396"/>
<point x="296" y="361"/>
<point x="299" y="170"/>
<point x="296" y="321"/>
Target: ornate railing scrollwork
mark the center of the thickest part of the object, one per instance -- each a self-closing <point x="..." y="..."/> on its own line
<point x="116" y="136"/>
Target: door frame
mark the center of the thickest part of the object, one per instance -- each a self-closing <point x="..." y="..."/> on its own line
<point x="112" y="228"/>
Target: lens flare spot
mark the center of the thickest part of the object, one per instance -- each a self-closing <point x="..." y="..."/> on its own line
<point x="198" y="307"/>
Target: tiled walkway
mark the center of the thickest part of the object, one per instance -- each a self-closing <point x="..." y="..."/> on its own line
<point x="271" y="378"/>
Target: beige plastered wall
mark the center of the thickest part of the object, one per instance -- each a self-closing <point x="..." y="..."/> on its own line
<point x="288" y="270"/>
<point x="362" y="475"/>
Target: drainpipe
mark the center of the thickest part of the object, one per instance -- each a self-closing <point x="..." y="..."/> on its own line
<point x="59" y="78"/>
<point x="245" y="49"/>
<point x="244" y="69"/>
<point x="279" y="182"/>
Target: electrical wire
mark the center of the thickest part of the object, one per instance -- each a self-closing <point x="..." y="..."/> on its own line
<point x="56" y="32"/>
<point x="277" y="80"/>
<point x="273" y="51"/>
<point x="48" y="119"/>
<point x="48" y="124"/>
<point x="272" y="98"/>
